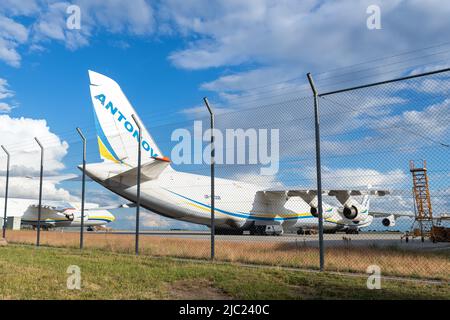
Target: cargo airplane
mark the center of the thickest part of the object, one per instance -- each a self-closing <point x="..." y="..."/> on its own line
<point x="57" y="214"/>
<point x="239" y="206"/>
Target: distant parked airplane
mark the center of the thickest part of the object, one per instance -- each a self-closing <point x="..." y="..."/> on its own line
<point x="239" y="206"/>
<point x="56" y="214"/>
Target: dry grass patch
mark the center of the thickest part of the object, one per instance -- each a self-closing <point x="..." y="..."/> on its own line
<point x="393" y="261"/>
<point x="195" y="290"/>
<point x="31" y="273"/>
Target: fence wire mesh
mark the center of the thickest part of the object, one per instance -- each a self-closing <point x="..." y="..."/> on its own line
<point x="368" y="137"/>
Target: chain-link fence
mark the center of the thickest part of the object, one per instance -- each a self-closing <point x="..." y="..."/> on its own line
<point x="370" y="136"/>
<point x="266" y="206"/>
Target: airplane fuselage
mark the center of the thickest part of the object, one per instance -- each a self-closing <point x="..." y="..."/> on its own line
<point x="238" y="205"/>
<point x="70" y="218"/>
<point x="56" y="213"/>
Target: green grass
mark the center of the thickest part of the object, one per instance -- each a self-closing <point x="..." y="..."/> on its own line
<point x="40" y="273"/>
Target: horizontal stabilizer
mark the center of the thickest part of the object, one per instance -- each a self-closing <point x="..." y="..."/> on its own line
<point x="149" y="171"/>
<point x="77" y="178"/>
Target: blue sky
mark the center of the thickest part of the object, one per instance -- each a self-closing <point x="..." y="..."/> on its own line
<point x="167" y="55"/>
<point x="150" y="81"/>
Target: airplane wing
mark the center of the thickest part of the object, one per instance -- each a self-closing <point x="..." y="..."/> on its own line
<point x="377" y="214"/>
<point x="149" y="171"/>
<point x="119" y="206"/>
<point x="45" y="209"/>
<point x="47" y="212"/>
<point x="280" y="194"/>
<point x="309" y="194"/>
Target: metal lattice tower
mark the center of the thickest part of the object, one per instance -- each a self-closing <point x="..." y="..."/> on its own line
<point x="421" y="192"/>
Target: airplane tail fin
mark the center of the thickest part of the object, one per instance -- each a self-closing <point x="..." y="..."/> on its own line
<point x="117" y="133"/>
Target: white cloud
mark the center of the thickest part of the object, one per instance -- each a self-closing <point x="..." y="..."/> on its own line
<point x="432" y="121"/>
<point x="257" y="179"/>
<point x="132" y="17"/>
<point x="22" y="187"/>
<point x="5" y="93"/>
<point x="234" y="32"/>
<point x="152" y="220"/>
<point x="17" y="134"/>
<point x="387" y="122"/>
<point x="5" y="107"/>
<point x="424" y="69"/>
<point x="117" y="17"/>
<point x="286" y="35"/>
<point x="11" y="30"/>
<point x="200" y="111"/>
<point x="46" y="21"/>
<point x="361" y="177"/>
<point x="278" y="40"/>
<point x="358" y="178"/>
<point x="51" y="25"/>
<point x="12" y="34"/>
<point x="272" y="42"/>
<point x="19" y="8"/>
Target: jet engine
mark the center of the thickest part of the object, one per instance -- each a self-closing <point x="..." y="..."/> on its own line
<point x="70" y="215"/>
<point x="75" y="215"/>
<point x="327" y="212"/>
<point x="314" y="211"/>
<point x="350" y="212"/>
<point x="388" y="221"/>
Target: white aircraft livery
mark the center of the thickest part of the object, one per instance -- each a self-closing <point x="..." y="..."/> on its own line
<point x="55" y="214"/>
<point x="239" y="206"/>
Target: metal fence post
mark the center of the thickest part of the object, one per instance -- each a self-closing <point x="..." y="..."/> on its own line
<point x="318" y="169"/>
<point x="213" y="227"/>
<point x="6" y="191"/>
<point x="83" y="188"/>
<point x="138" y="191"/>
<point x="38" y="238"/>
